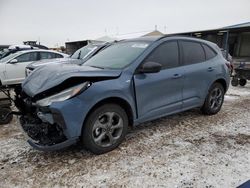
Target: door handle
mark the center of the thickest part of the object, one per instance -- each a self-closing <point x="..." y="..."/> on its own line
<point x="210" y="69"/>
<point x="176" y="76"/>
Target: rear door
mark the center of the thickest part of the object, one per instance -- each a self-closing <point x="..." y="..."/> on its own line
<point x="158" y="94"/>
<point x="198" y="73"/>
<point x="16" y="72"/>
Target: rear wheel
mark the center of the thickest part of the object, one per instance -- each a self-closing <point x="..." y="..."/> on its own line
<point x="243" y="82"/>
<point x="105" y="128"/>
<point x="214" y="99"/>
<point x="3" y="112"/>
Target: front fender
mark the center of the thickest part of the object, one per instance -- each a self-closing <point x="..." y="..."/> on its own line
<point x="103" y="90"/>
<point x="75" y="110"/>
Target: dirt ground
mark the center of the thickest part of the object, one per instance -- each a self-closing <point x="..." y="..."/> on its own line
<point x="183" y="150"/>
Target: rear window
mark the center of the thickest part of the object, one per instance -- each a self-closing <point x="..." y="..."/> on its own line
<point x="192" y="52"/>
<point x="209" y="52"/>
<point x="47" y="55"/>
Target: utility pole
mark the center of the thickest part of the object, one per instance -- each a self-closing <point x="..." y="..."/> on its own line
<point x="155" y="27"/>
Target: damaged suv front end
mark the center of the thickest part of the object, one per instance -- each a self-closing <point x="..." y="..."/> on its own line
<point x="44" y="123"/>
<point x="53" y="111"/>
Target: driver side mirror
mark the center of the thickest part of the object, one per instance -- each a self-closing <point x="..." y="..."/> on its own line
<point x="150" y="67"/>
<point x="13" y="61"/>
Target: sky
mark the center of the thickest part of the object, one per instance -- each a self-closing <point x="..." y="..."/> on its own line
<point x="55" y="22"/>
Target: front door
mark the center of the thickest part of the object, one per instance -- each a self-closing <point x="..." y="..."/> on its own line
<point x="158" y="94"/>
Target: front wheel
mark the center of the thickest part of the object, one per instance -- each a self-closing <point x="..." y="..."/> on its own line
<point x="214" y="99"/>
<point x="105" y="128"/>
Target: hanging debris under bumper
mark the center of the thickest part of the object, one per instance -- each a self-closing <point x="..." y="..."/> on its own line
<point x="45" y="130"/>
<point x="54" y="147"/>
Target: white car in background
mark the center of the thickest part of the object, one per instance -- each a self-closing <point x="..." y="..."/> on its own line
<point x="12" y="67"/>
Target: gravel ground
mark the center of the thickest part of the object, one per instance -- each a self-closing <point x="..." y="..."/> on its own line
<point x="183" y="150"/>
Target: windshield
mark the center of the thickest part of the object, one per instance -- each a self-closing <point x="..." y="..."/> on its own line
<point x="4" y="52"/>
<point x="83" y="52"/>
<point x="118" y="55"/>
<point x="1" y="53"/>
<point x="7" y="58"/>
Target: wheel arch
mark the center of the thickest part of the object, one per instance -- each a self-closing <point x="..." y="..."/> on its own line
<point x="222" y="82"/>
<point x="114" y="100"/>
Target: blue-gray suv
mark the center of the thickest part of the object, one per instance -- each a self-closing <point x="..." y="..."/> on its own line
<point x="131" y="82"/>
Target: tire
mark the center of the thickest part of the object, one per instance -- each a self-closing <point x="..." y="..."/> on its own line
<point x="243" y="82"/>
<point x="214" y="99"/>
<point x="3" y="112"/>
<point x="105" y="128"/>
<point x="235" y="82"/>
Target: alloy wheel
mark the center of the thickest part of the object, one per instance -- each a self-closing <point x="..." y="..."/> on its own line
<point x="107" y="129"/>
<point x="216" y="98"/>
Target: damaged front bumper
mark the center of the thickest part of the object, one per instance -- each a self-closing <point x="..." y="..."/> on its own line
<point x="46" y="129"/>
<point x="54" y="147"/>
<point x="56" y="126"/>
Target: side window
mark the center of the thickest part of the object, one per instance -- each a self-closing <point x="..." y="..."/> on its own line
<point x="192" y="52"/>
<point x="209" y="52"/>
<point x="47" y="55"/>
<point x="167" y="54"/>
<point x="58" y="56"/>
<point x="27" y="57"/>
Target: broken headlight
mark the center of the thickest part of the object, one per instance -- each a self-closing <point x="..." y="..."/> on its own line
<point x="63" y="95"/>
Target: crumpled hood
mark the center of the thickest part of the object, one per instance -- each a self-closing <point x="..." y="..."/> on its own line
<point x="47" y="77"/>
<point x="53" y="61"/>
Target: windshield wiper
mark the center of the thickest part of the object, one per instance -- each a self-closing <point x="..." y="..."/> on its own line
<point x="96" y="67"/>
<point x="79" y="55"/>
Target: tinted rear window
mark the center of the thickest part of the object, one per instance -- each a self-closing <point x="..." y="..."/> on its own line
<point x="192" y="52"/>
<point x="209" y="52"/>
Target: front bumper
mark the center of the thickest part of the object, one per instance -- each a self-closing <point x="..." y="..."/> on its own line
<point x="55" y="127"/>
<point x="44" y="133"/>
<point x="54" y="147"/>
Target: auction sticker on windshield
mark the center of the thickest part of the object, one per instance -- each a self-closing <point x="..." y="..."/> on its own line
<point x="140" y="45"/>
